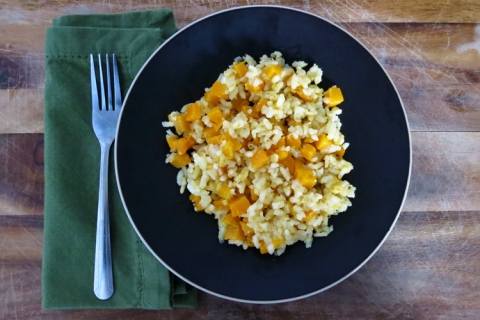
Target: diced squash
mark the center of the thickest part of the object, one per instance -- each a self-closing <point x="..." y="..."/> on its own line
<point x="272" y="71"/>
<point x="210" y="98"/>
<point x="277" y="243"/>
<point x="215" y="139"/>
<point x="340" y="153"/>
<point x="259" y="159"/>
<point x="218" y="126"/>
<point x="230" y="220"/>
<point x="333" y="96"/>
<point x="280" y="143"/>
<point x="289" y="163"/>
<point x="308" y="151"/>
<point x="263" y="248"/>
<point x="224" y="191"/>
<point x="309" y="215"/>
<point x="219" y="90"/>
<point x="238" y="102"/>
<point x="227" y="150"/>
<point x="250" y="87"/>
<point x="196" y="201"/>
<point x="180" y="160"/>
<point x="234" y="232"/>
<point x="323" y="142"/>
<point x="181" y="124"/>
<point x="215" y="115"/>
<point x="239" y="205"/>
<point x="260" y="104"/>
<point x="209" y="132"/>
<point x="240" y="68"/>
<point x="293" y="142"/>
<point x="193" y="112"/>
<point x="270" y="152"/>
<point x="299" y="91"/>
<point x="308" y="140"/>
<point x="306" y="176"/>
<point x="246" y="229"/>
<point x="172" y="142"/>
<point x="183" y="144"/>
<point x="282" y="154"/>
<point x="219" y="205"/>
<point x="249" y="111"/>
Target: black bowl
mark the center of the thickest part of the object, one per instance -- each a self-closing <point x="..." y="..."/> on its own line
<point x="374" y="122"/>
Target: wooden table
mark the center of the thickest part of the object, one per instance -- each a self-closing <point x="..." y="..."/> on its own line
<point x="429" y="267"/>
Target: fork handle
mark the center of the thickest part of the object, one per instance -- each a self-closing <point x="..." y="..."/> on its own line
<point x="103" y="279"/>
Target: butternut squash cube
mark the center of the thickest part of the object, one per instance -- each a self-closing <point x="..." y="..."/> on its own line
<point x="227" y="150"/>
<point x="193" y="112"/>
<point x="224" y="191"/>
<point x="323" y="142"/>
<point x="183" y="144"/>
<point x="282" y="154"/>
<point x="246" y="229"/>
<point x="306" y="176"/>
<point x="262" y="102"/>
<point x="272" y="71"/>
<point x="210" y="98"/>
<point x="209" y="132"/>
<point x="234" y="232"/>
<point x="219" y="90"/>
<point x="240" y="68"/>
<point x="277" y="243"/>
<point x="180" y="160"/>
<point x="239" y="205"/>
<point x="181" y="124"/>
<point x="253" y="89"/>
<point x="215" y="115"/>
<point x="196" y="202"/>
<point x="334" y="96"/>
<point x="219" y="205"/>
<point x="340" y="153"/>
<point x="280" y="143"/>
<point x="230" y="220"/>
<point x="308" y="151"/>
<point x="263" y="248"/>
<point x="172" y="140"/>
<point x="259" y="159"/>
<point x="288" y="163"/>
<point x="293" y="142"/>
<point x="309" y="215"/>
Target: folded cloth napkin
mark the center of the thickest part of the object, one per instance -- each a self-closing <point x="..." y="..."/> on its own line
<point x="72" y="158"/>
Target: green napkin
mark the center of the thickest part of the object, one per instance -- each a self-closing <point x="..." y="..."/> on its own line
<point x="72" y="158"/>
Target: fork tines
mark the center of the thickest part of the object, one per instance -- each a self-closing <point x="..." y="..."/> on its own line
<point x="116" y="83"/>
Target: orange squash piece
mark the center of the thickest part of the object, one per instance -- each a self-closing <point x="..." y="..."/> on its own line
<point x="234" y="232"/>
<point x="196" y="202"/>
<point x="253" y="196"/>
<point x="246" y="229"/>
<point x="299" y="91"/>
<point x="209" y="132"/>
<point x="227" y="150"/>
<point x="181" y="124"/>
<point x="280" y="143"/>
<point x="172" y="140"/>
<point x="224" y="191"/>
<point x="180" y="160"/>
<point x="240" y="68"/>
<point x="230" y="220"/>
<point x="282" y="154"/>
<point x="309" y="215"/>
<point x="262" y="102"/>
<point x="306" y="176"/>
<point x="219" y="90"/>
<point x="259" y="159"/>
<point x="340" y="153"/>
<point x="334" y="96"/>
<point x="277" y="243"/>
<point x="251" y="88"/>
<point x="239" y="205"/>
<point x="293" y="142"/>
<point x="183" y="144"/>
<point x="210" y="98"/>
<point x="193" y="112"/>
<point x="288" y="163"/>
<point x="215" y="115"/>
<point x="263" y="248"/>
<point x="272" y="71"/>
<point x="308" y="140"/>
<point x="323" y="142"/>
<point x="308" y="151"/>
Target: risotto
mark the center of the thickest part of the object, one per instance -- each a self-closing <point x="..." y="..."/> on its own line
<point x="262" y="152"/>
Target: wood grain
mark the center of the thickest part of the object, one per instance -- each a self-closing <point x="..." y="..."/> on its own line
<point x="21" y="174"/>
<point x="427" y="268"/>
<point x="435" y="68"/>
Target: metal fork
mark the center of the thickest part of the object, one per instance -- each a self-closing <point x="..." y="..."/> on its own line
<point x="104" y="120"/>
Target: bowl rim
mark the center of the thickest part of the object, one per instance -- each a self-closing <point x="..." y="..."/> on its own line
<point x="280" y="300"/>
